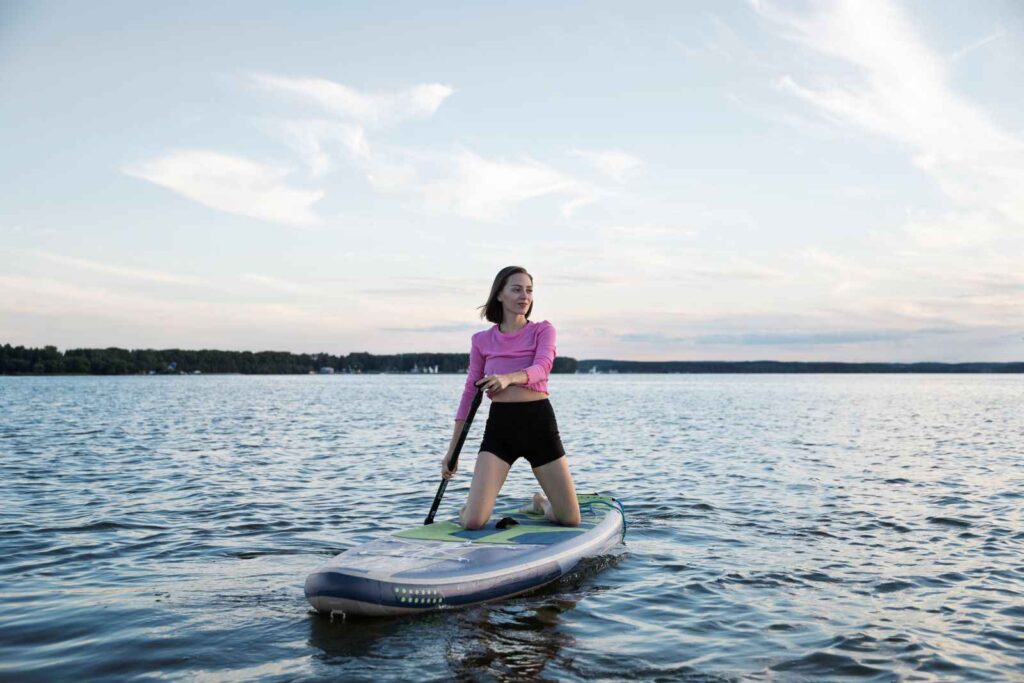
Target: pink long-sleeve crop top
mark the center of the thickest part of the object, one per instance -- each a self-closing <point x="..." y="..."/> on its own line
<point x="530" y="348"/>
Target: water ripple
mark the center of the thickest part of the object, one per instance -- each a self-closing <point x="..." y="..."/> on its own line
<point x="780" y="527"/>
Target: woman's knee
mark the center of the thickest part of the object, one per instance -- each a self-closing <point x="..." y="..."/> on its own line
<point x="473" y="521"/>
<point x="570" y="519"/>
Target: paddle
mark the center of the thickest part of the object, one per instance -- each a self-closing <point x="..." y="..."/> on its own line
<point x="455" y="456"/>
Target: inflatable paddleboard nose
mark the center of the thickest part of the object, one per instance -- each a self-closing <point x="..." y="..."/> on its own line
<point x="316" y="584"/>
<point x="443" y="565"/>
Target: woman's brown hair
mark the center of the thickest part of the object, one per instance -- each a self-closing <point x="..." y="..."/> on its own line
<point x="493" y="310"/>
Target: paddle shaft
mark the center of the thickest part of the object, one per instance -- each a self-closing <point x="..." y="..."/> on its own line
<point x="454" y="460"/>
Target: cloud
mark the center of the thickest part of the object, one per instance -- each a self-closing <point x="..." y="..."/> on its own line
<point x="276" y="284"/>
<point x="899" y="89"/>
<point x="812" y="338"/>
<point x="316" y="141"/>
<point x="369" y="109"/>
<point x="570" y="207"/>
<point x="231" y="184"/>
<point x="646" y="232"/>
<point x="487" y="189"/>
<point x="735" y="268"/>
<point x="952" y="230"/>
<point x="240" y="186"/>
<point x="323" y="145"/>
<point x="426" y="287"/>
<point x="780" y="338"/>
<point x="391" y="176"/>
<point x="653" y="338"/>
<point x="457" y="180"/>
<point x="976" y="45"/>
<point x="111" y="269"/>
<point x="436" y="329"/>
<point x="215" y="313"/>
<point x="585" y="279"/>
<point x="617" y="165"/>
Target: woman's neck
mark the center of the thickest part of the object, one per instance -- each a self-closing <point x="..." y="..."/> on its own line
<point x="514" y="325"/>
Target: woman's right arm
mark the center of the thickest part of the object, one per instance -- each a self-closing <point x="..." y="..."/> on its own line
<point x="473" y="375"/>
<point x="445" y="472"/>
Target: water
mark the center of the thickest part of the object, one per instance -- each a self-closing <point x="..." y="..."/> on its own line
<point x="780" y="528"/>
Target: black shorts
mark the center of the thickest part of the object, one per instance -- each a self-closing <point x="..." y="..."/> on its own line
<point x="523" y="430"/>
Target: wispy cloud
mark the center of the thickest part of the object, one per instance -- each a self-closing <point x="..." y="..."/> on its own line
<point x="487" y="189"/>
<point x="719" y="41"/>
<point x="812" y="338"/>
<point x="646" y="232"/>
<point x="618" y="165"/>
<point x="775" y="339"/>
<point x="368" y="109"/>
<point x="437" y="329"/>
<point x="900" y="90"/>
<point x="109" y="268"/>
<point x="106" y="310"/>
<point x="977" y="45"/>
<point x="585" y="279"/>
<point x="231" y="184"/>
<point x="276" y="284"/>
<point x="241" y="186"/>
<point x="318" y="141"/>
<point x="736" y="268"/>
<point x="457" y="180"/>
<point x="426" y="287"/>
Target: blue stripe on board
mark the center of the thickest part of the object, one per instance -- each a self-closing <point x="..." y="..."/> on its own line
<point x="542" y="537"/>
<point x="389" y="594"/>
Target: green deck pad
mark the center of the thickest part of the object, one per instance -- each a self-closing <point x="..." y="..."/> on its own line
<point x="532" y="529"/>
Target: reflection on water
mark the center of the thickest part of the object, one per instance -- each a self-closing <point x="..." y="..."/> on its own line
<point x="508" y="642"/>
<point x="512" y="640"/>
<point x="779" y="528"/>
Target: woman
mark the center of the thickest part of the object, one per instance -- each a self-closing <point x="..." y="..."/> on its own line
<point x="511" y="362"/>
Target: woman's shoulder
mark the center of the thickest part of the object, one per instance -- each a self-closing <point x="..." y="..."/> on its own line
<point x="483" y="334"/>
<point x="544" y="325"/>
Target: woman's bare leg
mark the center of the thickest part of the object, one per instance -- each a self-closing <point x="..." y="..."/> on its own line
<point x="561" y="505"/>
<point x="488" y="477"/>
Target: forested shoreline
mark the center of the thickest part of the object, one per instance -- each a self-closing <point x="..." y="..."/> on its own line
<point x="19" y="360"/>
<point x="790" y="367"/>
<point x="48" y="360"/>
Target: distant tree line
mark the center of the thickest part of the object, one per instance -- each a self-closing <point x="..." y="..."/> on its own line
<point x="18" y="360"/>
<point x="771" y="366"/>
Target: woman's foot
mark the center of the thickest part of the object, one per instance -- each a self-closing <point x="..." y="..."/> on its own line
<point x="536" y="507"/>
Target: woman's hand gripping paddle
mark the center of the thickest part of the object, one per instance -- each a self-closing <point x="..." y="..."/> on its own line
<point x="455" y="456"/>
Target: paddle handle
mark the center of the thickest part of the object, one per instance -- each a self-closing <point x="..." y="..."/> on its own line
<point x="454" y="460"/>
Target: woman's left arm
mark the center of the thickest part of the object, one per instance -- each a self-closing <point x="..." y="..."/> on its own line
<point x="518" y="377"/>
<point x="544" y="357"/>
<point x="492" y="384"/>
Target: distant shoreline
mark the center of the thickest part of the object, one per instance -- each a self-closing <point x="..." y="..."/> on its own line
<point x="791" y="367"/>
<point x="19" y="360"/>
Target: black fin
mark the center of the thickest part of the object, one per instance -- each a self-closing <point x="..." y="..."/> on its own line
<point x="506" y="522"/>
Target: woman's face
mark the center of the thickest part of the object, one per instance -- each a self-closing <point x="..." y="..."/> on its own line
<point x="516" y="296"/>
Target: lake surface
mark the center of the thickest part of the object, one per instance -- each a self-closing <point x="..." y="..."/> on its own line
<point x="781" y="527"/>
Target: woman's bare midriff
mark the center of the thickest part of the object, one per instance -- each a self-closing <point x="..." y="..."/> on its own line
<point x="518" y="394"/>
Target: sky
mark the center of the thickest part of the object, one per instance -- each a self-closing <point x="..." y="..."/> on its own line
<point x="686" y="181"/>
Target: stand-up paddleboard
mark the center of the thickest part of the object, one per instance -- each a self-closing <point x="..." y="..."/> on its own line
<point x="443" y="565"/>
